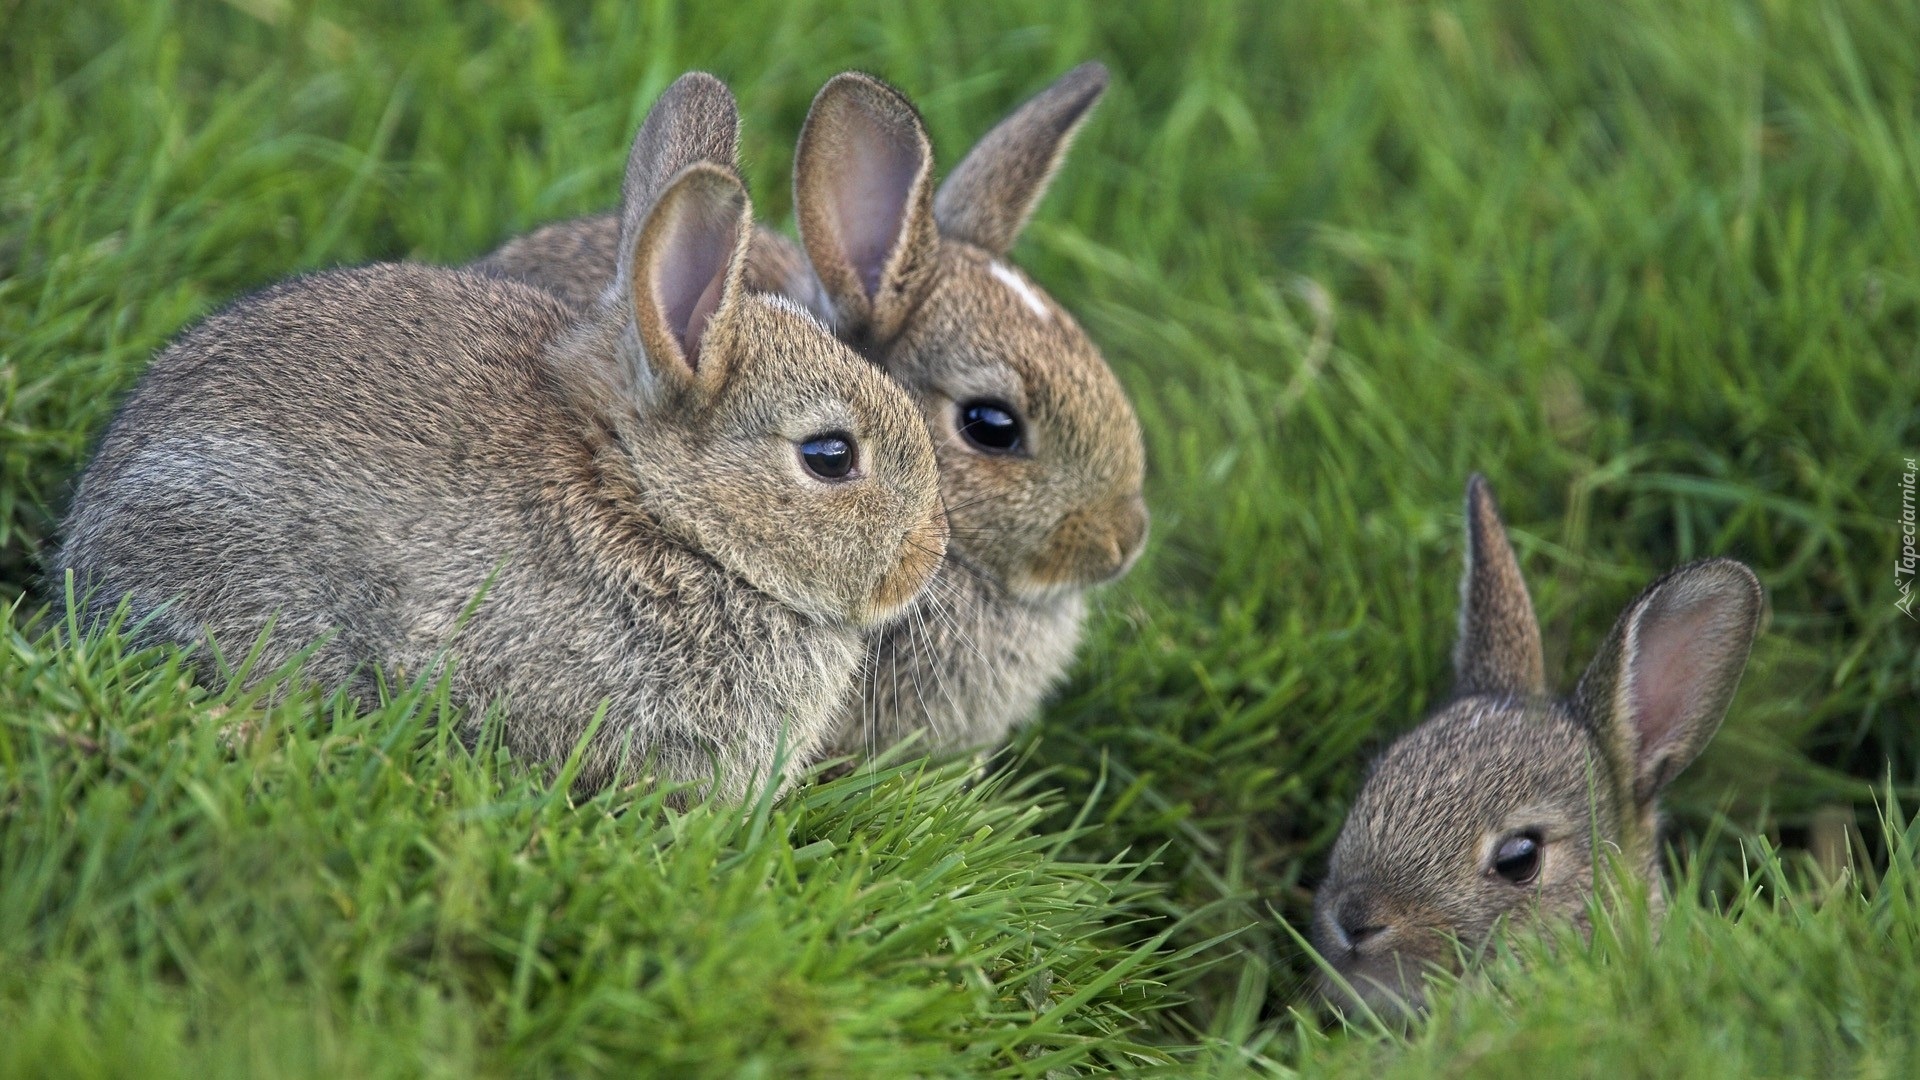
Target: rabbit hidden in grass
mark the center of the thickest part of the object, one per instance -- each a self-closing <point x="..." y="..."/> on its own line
<point x="686" y="503"/>
<point x="1495" y="811"/>
<point x="1039" y="450"/>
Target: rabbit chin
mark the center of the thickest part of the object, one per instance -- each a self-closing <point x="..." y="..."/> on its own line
<point x="1392" y="985"/>
<point x="921" y="552"/>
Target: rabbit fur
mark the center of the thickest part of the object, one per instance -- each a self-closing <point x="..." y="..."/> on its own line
<point x="917" y="281"/>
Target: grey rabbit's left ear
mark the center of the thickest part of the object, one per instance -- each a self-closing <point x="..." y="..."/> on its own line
<point x="991" y="193"/>
<point x="1662" y="682"/>
<point x="695" y="121"/>
<point x="1498" y="651"/>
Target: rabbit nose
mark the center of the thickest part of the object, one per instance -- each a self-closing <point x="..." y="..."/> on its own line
<point x="1130" y="535"/>
<point x="1354" y="923"/>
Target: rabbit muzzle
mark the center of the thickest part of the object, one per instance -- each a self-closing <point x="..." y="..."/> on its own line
<point x="922" y="549"/>
<point x="1092" y="545"/>
<point x="1379" y="958"/>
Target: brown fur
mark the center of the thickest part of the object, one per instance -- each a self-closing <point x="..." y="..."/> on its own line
<point x="1499" y="647"/>
<point x="574" y="260"/>
<point x="991" y="194"/>
<point x="354" y="455"/>
<point x="1410" y="884"/>
<point x="915" y="280"/>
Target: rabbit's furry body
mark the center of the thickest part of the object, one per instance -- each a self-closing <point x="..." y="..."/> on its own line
<point x="337" y="453"/>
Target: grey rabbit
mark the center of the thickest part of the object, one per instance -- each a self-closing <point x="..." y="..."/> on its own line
<point x="1486" y="816"/>
<point x="687" y="501"/>
<point x="1040" y="455"/>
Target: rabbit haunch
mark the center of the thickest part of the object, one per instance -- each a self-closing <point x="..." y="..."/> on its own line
<point x="353" y="457"/>
<point x="915" y="278"/>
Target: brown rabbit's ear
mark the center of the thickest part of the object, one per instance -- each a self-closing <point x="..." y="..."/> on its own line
<point x="990" y="194"/>
<point x="863" y="191"/>
<point x="686" y="273"/>
<point x="1499" y="647"/>
<point x="695" y="119"/>
<point x="1663" y="681"/>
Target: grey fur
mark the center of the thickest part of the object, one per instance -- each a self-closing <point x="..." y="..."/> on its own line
<point x="1410" y="883"/>
<point x="982" y="647"/>
<point x="1499" y="647"/>
<point x="356" y="453"/>
<point x="992" y="192"/>
<point x="575" y="261"/>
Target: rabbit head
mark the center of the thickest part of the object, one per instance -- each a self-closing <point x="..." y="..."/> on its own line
<point x="1490" y="813"/>
<point x="1039" y="450"/>
<point x="754" y="434"/>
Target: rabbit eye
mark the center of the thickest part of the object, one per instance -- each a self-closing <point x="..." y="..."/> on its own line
<point x="1517" y="859"/>
<point x="991" y="426"/>
<point x="829" y="456"/>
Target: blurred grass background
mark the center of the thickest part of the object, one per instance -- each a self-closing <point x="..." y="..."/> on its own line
<point x="1652" y="266"/>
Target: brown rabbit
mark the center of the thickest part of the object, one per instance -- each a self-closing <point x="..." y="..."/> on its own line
<point x="1039" y="450"/>
<point x="1486" y="815"/>
<point x="687" y="504"/>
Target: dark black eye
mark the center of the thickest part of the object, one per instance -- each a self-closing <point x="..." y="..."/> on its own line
<point x="829" y="456"/>
<point x="1518" y="857"/>
<point x="991" y="426"/>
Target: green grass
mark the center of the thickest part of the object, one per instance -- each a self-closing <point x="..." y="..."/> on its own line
<point x="273" y="884"/>
<point x="1652" y="266"/>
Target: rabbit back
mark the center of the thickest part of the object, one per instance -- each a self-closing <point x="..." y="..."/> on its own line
<point x="575" y="260"/>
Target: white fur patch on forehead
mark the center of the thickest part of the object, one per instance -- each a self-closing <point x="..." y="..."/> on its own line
<point x="1027" y="293"/>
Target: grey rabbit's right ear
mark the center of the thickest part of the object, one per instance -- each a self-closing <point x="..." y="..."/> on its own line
<point x="991" y="193"/>
<point x="1662" y="682"/>
<point x="863" y="193"/>
<point x="1498" y="651"/>
<point x="685" y="272"/>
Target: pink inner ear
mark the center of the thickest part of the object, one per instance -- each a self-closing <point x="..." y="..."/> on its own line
<point x="871" y="186"/>
<point x="690" y="275"/>
<point x="703" y="309"/>
<point x="1674" y="657"/>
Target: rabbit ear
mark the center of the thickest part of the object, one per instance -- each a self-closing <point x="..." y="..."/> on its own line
<point x="987" y="199"/>
<point x="694" y="120"/>
<point x="1499" y="647"/>
<point x="1662" y="682"/>
<point x="863" y="191"/>
<point x="686" y="268"/>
